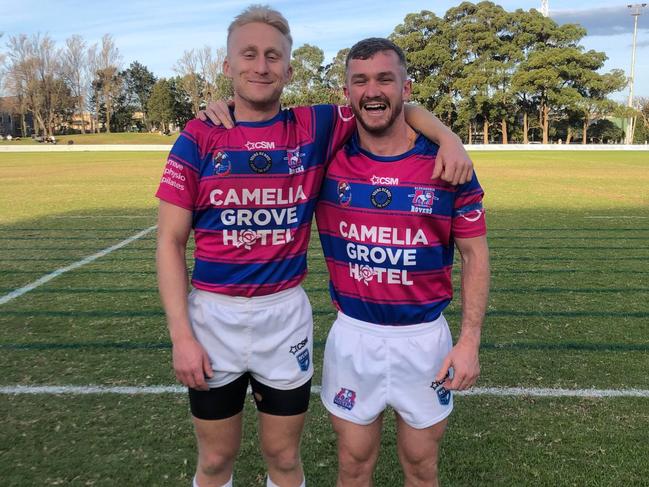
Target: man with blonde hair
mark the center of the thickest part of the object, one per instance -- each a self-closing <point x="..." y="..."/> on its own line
<point x="249" y="195"/>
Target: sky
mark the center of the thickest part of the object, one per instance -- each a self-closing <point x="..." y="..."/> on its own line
<point x="157" y="33"/>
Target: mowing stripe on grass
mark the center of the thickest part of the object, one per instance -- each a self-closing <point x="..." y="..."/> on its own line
<point x="626" y="217"/>
<point x="315" y="390"/>
<point x="52" y="275"/>
<point x="94" y="217"/>
<point x="560" y="346"/>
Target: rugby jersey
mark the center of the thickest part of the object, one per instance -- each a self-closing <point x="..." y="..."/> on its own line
<point x="387" y="233"/>
<point x="252" y="192"/>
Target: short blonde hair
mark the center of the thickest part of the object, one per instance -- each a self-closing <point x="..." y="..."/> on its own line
<point x="265" y="15"/>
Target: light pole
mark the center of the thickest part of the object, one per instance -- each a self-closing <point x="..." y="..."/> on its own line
<point x="636" y="11"/>
<point x="545" y="8"/>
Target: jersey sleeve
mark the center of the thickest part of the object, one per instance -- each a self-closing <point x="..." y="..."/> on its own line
<point x="468" y="213"/>
<point x="336" y="123"/>
<point x="179" y="183"/>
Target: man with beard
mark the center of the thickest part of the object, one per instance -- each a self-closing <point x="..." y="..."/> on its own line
<point x="388" y="232"/>
<point x="249" y="195"/>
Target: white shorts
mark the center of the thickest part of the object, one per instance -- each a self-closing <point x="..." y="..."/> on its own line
<point x="269" y="336"/>
<point x="368" y="367"/>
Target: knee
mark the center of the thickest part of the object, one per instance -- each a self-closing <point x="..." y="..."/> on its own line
<point x="356" y="465"/>
<point x="215" y="463"/>
<point x="422" y="470"/>
<point x="284" y="458"/>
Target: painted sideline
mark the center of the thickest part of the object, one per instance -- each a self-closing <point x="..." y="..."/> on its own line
<point x="167" y="148"/>
<point x="52" y="275"/>
<point x="476" y="391"/>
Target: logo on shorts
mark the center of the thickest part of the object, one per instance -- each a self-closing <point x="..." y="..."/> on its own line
<point x="301" y="354"/>
<point x="443" y="394"/>
<point x="346" y="398"/>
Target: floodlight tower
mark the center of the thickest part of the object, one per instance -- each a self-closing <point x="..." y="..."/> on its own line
<point x="545" y="8"/>
<point x="636" y="11"/>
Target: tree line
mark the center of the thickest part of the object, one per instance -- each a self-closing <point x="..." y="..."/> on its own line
<point x="490" y="74"/>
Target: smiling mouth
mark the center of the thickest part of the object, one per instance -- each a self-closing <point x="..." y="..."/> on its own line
<point x="375" y="107"/>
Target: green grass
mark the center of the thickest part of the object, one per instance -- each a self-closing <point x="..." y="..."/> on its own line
<point x="569" y="308"/>
<point x="102" y="138"/>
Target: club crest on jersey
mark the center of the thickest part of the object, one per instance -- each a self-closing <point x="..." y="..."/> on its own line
<point x="294" y="160"/>
<point x="344" y="193"/>
<point x="443" y="394"/>
<point x="423" y="200"/>
<point x="247" y="239"/>
<point x="301" y="354"/>
<point x="345" y="398"/>
<point x="381" y="197"/>
<point x="222" y="166"/>
<point x="260" y="162"/>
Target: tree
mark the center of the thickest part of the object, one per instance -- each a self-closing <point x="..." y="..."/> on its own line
<point x="75" y="72"/>
<point x="334" y="76"/>
<point x="107" y="82"/>
<point x="605" y="132"/>
<point x="309" y="85"/>
<point x="192" y="82"/>
<point x="138" y="85"/>
<point x="182" y="107"/>
<point x="161" y="104"/>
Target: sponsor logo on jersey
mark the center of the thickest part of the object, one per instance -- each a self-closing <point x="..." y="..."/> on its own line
<point x="346" y="398"/>
<point x="423" y="200"/>
<point x="344" y="193"/>
<point x="222" y="166"/>
<point x="381" y="197"/>
<point x="376" y="180"/>
<point x="247" y="239"/>
<point x="260" y="162"/>
<point x="263" y="145"/>
<point x="301" y="354"/>
<point x="443" y="394"/>
<point x="294" y="160"/>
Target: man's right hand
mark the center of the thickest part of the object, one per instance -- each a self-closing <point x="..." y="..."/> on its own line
<point x="218" y="112"/>
<point x="191" y="364"/>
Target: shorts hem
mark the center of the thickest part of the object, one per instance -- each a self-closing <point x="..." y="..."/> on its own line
<point x="307" y="378"/>
<point x="340" y="414"/>
<point x="427" y="424"/>
<point x="221" y="384"/>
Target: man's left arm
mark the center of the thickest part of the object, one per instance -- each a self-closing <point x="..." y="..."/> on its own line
<point x="463" y="358"/>
<point x="452" y="163"/>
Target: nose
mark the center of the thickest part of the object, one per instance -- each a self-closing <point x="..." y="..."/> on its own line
<point x="261" y="65"/>
<point x="372" y="89"/>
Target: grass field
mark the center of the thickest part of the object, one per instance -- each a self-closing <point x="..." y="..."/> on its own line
<point x="569" y="309"/>
<point x="103" y="138"/>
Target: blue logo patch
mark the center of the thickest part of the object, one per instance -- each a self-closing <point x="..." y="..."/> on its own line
<point x="443" y="394"/>
<point x="346" y="398"/>
<point x="344" y="193"/>
<point x="301" y="354"/>
<point x="303" y="359"/>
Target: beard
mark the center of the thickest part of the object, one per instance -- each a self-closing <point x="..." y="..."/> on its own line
<point x="376" y="127"/>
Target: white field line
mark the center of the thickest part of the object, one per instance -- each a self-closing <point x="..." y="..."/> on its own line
<point x="476" y="391"/>
<point x="52" y="275"/>
<point x="616" y="217"/>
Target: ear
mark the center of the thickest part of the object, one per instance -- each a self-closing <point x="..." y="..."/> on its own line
<point x="226" y="68"/>
<point x="289" y="73"/>
<point x="407" y="89"/>
<point x="346" y="92"/>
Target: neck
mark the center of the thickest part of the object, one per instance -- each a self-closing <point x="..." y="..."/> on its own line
<point x="393" y="141"/>
<point x="247" y="111"/>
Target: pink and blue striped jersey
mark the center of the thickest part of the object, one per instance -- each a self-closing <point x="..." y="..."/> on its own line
<point x="252" y="192"/>
<point x="387" y="232"/>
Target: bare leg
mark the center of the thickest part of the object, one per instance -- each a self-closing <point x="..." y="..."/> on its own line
<point x="218" y="445"/>
<point x="358" y="450"/>
<point x="418" y="452"/>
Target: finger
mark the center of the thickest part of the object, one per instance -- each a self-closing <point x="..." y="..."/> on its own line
<point x="201" y="115"/>
<point x="199" y="380"/>
<point x="443" y="371"/>
<point x="465" y="178"/>
<point x="457" y="175"/>
<point x="439" y="166"/>
<point x="207" y="366"/>
<point x="223" y="111"/>
<point x="212" y="115"/>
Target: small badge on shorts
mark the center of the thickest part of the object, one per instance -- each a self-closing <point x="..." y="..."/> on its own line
<point x="346" y="398"/>
<point x="443" y="394"/>
<point x="301" y="354"/>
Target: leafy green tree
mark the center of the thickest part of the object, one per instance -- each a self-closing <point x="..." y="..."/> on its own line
<point x="161" y="104"/>
<point x="139" y="82"/>
<point x="308" y="85"/>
